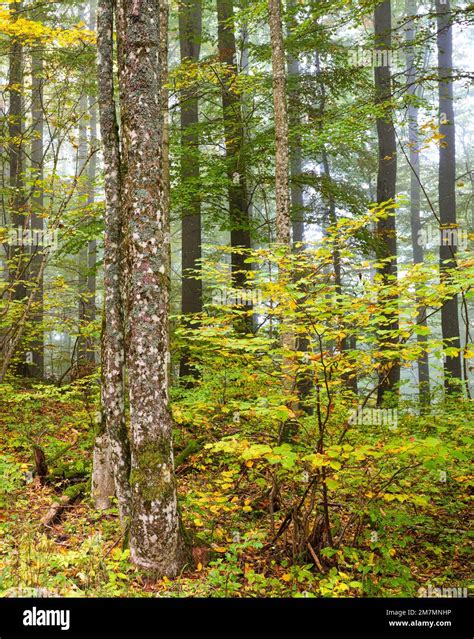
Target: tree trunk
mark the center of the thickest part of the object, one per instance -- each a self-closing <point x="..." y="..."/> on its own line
<point x="91" y="308"/>
<point x="112" y="343"/>
<point x="83" y="353"/>
<point x="36" y="369"/>
<point x="296" y="160"/>
<point x="234" y="142"/>
<point x="190" y="27"/>
<point x="18" y="254"/>
<point x="415" y="193"/>
<point x="447" y="195"/>
<point x="386" y="187"/>
<point x="282" y="190"/>
<point x="156" y="540"/>
<point x="283" y="223"/>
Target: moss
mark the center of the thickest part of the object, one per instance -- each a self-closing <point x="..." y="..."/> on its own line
<point x="148" y="476"/>
<point x="192" y="447"/>
<point x="73" y="492"/>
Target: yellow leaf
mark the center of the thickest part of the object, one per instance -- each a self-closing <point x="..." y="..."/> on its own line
<point x="199" y="567"/>
<point x="286" y="577"/>
<point x="198" y="522"/>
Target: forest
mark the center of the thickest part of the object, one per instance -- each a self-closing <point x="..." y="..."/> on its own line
<point x="236" y="298"/>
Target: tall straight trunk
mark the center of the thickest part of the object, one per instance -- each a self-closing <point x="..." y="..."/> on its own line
<point x="90" y="308"/>
<point x="234" y="142"/>
<point x="296" y="159"/>
<point x="282" y="189"/>
<point x="112" y="444"/>
<point x="386" y="187"/>
<point x="343" y="344"/>
<point x="37" y="201"/>
<point x="86" y="305"/>
<point x="18" y="254"/>
<point x="283" y="222"/>
<point x="190" y="28"/>
<point x="415" y="192"/>
<point x="304" y="380"/>
<point x="447" y="195"/>
<point x="90" y="302"/>
<point x="156" y="540"/>
<point x="83" y="354"/>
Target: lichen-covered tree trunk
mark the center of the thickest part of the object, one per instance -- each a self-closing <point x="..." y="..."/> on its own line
<point x="386" y="186"/>
<point x="283" y="222"/>
<point x="447" y="188"/>
<point x="156" y="540"/>
<point x="114" y="437"/>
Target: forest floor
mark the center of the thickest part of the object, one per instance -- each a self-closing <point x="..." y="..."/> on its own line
<point x="225" y="508"/>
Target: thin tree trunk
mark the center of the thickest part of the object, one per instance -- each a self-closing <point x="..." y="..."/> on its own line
<point x="156" y="540"/>
<point x="234" y="142"/>
<point x="283" y="222"/>
<point x="112" y="343"/>
<point x="190" y="27"/>
<point x="447" y="186"/>
<point x="415" y="194"/>
<point x="82" y="263"/>
<point x="37" y="200"/>
<point x="18" y="254"/>
<point x="304" y="380"/>
<point x="386" y="188"/>
<point x="90" y="302"/>
<point x="282" y="189"/>
<point x="296" y="160"/>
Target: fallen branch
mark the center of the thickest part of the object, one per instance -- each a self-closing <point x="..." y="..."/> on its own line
<point x="57" y="509"/>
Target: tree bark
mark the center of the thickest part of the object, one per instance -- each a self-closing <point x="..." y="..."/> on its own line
<point x="112" y="342"/>
<point x="415" y="192"/>
<point x="234" y="142"/>
<point x="190" y="28"/>
<point x="386" y="189"/>
<point x="283" y="222"/>
<point x="156" y="540"/>
<point x="447" y="186"/>
<point x="296" y="160"/>
<point x="18" y="255"/>
<point x="37" y="200"/>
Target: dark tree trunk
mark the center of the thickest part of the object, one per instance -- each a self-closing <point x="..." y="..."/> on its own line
<point x="234" y="142"/>
<point x="190" y="26"/>
<point x="36" y="369"/>
<point x="415" y="193"/>
<point x="19" y="254"/>
<point x="296" y="160"/>
<point x="386" y="187"/>
<point x="447" y="195"/>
